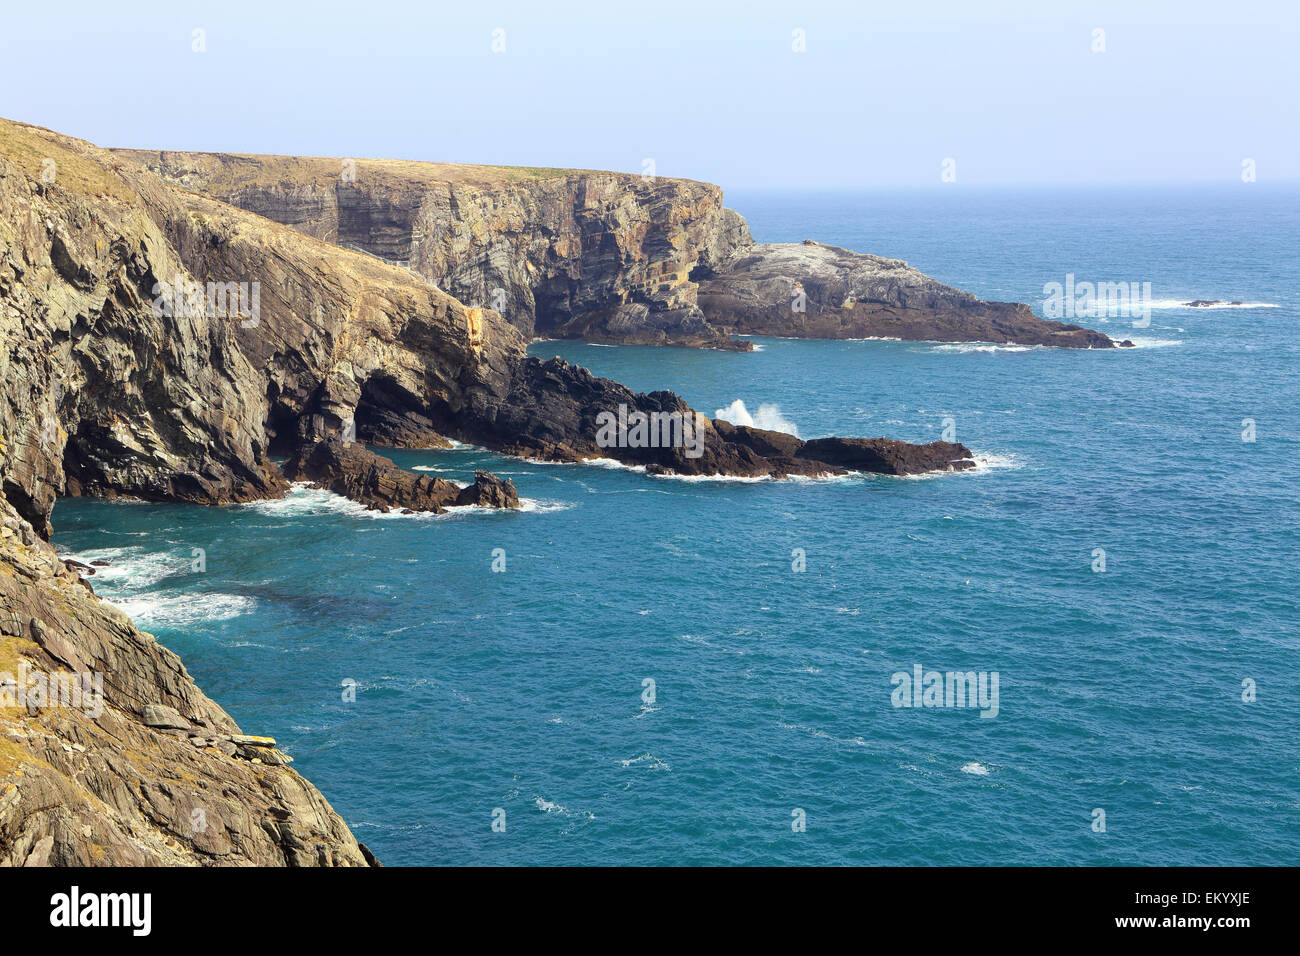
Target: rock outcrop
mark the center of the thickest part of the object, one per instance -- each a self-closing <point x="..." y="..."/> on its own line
<point x="553" y="412"/>
<point x="351" y="470"/>
<point x="604" y="257"/>
<point x="811" y="290"/>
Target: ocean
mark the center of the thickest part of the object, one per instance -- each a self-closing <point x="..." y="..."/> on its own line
<point x="651" y="681"/>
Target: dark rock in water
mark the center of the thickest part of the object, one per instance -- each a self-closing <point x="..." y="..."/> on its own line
<point x="489" y="491"/>
<point x="889" y="457"/>
<point x="352" y="470"/>
<point x="769" y="444"/>
<point x="1209" y="303"/>
<point x="77" y="566"/>
<point x="99" y="564"/>
<point x="550" y="410"/>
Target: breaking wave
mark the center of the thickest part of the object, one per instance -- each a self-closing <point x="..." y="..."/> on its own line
<point x="768" y="417"/>
<point x="182" y="610"/>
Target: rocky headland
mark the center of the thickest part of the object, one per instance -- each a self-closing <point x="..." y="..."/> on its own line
<point x="811" y="290"/>
<point x="605" y="257"/>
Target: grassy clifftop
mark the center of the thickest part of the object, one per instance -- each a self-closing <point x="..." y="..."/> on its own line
<point x="234" y="171"/>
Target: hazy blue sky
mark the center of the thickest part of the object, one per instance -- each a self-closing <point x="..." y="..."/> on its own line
<point x="882" y="95"/>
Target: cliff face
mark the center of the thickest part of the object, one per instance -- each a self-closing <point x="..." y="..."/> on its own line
<point x="604" y="257"/>
<point x="99" y="395"/>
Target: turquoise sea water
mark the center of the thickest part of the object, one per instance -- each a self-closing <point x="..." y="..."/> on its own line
<point x="523" y="690"/>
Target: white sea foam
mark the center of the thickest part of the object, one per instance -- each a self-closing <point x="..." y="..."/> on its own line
<point x="610" y="463"/>
<point x="985" y="463"/>
<point x="978" y="769"/>
<point x="646" y="758"/>
<point x="1146" y="342"/>
<point x="732" y="479"/>
<point x="1183" y="304"/>
<point x="541" y="506"/>
<point x="182" y="610"/>
<point x="963" y="348"/>
<point x="302" y="499"/>
<point x="133" y="568"/>
<point x="768" y="417"/>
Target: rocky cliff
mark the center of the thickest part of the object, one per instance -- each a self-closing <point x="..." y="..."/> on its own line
<point x="559" y="253"/>
<point x="163" y="344"/>
<point x="604" y="257"/>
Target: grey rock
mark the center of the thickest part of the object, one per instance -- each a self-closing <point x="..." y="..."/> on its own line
<point x="163" y="717"/>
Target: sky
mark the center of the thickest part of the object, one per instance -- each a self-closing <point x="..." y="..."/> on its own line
<point x="748" y="95"/>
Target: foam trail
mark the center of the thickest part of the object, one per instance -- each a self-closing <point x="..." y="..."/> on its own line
<point x="1183" y="304"/>
<point x="1147" y="342"/>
